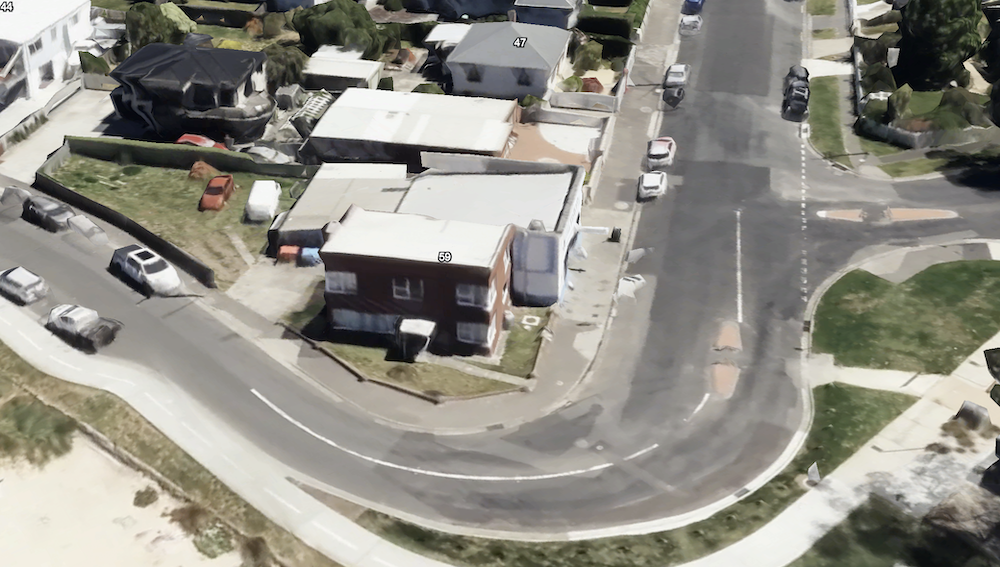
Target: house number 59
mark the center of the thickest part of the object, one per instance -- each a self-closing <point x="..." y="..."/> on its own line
<point x="444" y="257"/>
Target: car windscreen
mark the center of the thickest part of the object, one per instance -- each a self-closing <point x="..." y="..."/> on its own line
<point x="213" y="190"/>
<point x="155" y="266"/>
<point x="658" y="150"/>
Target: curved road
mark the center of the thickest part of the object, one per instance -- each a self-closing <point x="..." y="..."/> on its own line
<point x="641" y="442"/>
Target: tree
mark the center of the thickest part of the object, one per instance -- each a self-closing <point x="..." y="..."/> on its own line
<point x="938" y="36"/>
<point x="145" y="24"/>
<point x="341" y="22"/>
<point x="285" y="66"/>
<point x="91" y="64"/>
<point x="588" y="57"/>
<point x="274" y="25"/>
<point x="899" y="103"/>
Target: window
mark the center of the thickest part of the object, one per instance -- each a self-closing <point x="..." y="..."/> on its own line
<point x="203" y="97"/>
<point x="344" y="283"/>
<point x="471" y="295"/>
<point x="492" y="333"/>
<point x="523" y="78"/>
<point x="34" y="47"/>
<point x="472" y="333"/>
<point x="227" y="97"/>
<point x="405" y="288"/>
<point x="473" y="74"/>
<point x="506" y="294"/>
<point x="348" y="320"/>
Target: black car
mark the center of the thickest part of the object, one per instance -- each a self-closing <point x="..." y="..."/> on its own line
<point x="46" y="213"/>
<point x="796" y="104"/>
<point x="796" y="74"/>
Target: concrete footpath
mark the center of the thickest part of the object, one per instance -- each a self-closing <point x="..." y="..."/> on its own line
<point x="895" y="463"/>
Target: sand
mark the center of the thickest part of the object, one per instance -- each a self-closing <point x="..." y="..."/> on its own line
<point x="78" y="511"/>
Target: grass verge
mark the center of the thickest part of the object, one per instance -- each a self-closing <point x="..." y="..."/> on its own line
<point x="879" y="30"/>
<point x="637" y="11"/>
<point x="165" y="201"/>
<point x="878" y="534"/>
<point x="220" y="33"/>
<point x="824" y="119"/>
<point x="914" y="167"/>
<point x="431" y="379"/>
<point x="821" y="7"/>
<point x="47" y="404"/>
<point x="825" y="33"/>
<point x="929" y="323"/>
<point x="878" y="148"/>
<point x="846" y="418"/>
<point x="521" y="348"/>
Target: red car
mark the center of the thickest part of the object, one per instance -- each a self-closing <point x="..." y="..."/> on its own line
<point x="220" y="189"/>
<point x="199" y="140"/>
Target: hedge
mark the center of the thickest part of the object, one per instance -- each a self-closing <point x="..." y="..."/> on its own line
<point x="605" y="24"/>
<point x="611" y="3"/>
<point x="614" y="46"/>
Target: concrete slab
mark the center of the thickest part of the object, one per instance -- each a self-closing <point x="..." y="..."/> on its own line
<point x="824" y="68"/>
<point x="869" y="11"/>
<point x="273" y="290"/>
<point x="572" y="139"/>
<point x="896" y="214"/>
<point x="916" y="262"/>
<point x="827" y="47"/>
<point x="851" y="215"/>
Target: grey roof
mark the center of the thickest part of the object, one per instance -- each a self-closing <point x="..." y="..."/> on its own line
<point x="492" y="44"/>
<point x="171" y="67"/>
<point x="564" y="4"/>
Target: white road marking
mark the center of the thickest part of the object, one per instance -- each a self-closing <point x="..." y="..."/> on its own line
<point x="31" y="342"/>
<point x="655" y="121"/>
<point x="739" y="268"/>
<point x="234" y="465"/>
<point x="158" y="404"/>
<point x="335" y="535"/>
<point x="122" y="380"/>
<point x="283" y="501"/>
<point x="384" y="562"/>
<point x="641" y="452"/>
<point x="192" y="431"/>
<point x="701" y="405"/>
<point x="413" y="470"/>
<point x="67" y="365"/>
<point x="805" y="254"/>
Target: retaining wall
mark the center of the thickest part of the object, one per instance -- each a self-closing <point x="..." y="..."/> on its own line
<point x="34" y="120"/>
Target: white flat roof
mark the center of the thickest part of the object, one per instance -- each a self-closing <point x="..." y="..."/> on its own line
<point x="419" y="119"/>
<point x="414" y="238"/>
<point x="326" y="199"/>
<point x="361" y="171"/>
<point x="515" y="199"/>
<point x="31" y="17"/>
<point x="448" y="33"/>
<point x="331" y="67"/>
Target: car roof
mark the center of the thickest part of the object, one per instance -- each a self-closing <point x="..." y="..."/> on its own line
<point x="677" y="67"/>
<point x="128" y="249"/>
<point x="22" y="276"/>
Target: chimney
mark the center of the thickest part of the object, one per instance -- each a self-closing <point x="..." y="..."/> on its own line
<point x="512" y="15"/>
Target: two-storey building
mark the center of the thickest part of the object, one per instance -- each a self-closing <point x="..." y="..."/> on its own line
<point x="383" y="267"/>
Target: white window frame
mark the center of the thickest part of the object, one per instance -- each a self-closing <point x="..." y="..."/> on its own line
<point x="35" y="46"/>
<point x="405" y="292"/>
<point x="491" y="332"/>
<point x="381" y="324"/>
<point x="466" y="295"/>
<point x="506" y="294"/>
<point x="471" y="333"/>
<point x="346" y="283"/>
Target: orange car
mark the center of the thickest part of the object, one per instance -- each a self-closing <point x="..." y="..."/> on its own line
<point x="220" y="189"/>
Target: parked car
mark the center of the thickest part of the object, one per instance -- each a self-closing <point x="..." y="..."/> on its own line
<point x="796" y="74"/>
<point x="691" y="7"/>
<point x="220" y="188"/>
<point x="660" y="152"/>
<point x="690" y="25"/>
<point x="22" y="285"/>
<point x="47" y="213"/>
<point x="145" y="269"/>
<point x="796" y="103"/>
<point x="264" y="154"/>
<point x="652" y="185"/>
<point x="677" y="75"/>
<point x="199" y="140"/>
<point x="81" y="327"/>
<point x="262" y="203"/>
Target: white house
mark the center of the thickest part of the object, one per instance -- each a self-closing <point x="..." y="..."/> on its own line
<point x="37" y="44"/>
<point x="507" y="59"/>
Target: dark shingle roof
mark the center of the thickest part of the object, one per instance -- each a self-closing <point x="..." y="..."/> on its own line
<point x="166" y="66"/>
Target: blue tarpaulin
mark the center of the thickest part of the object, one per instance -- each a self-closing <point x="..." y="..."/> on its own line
<point x="310" y="257"/>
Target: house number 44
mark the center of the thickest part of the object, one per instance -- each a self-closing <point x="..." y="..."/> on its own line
<point x="520" y="41"/>
<point x="6" y="6"/>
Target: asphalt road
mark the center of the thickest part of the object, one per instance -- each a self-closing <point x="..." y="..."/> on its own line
<point x="640" y="444"/>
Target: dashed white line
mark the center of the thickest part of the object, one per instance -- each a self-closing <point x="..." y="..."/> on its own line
<point x="335" y="535"/>
<point x="283" y="501"/>
<point x="122" y="380"/>
<point x="701" y="405"/>
<point x="31" y="342"/>
<point x="424" y="472"/>
<point x="641" y="452"/>
<point x="739" y="268"/>
<point x="234" y="465"/>
<point x="805" y="255"/>
<point x="192" y="431"/>
<point x="68" y="365"/>
<point x="158" y="404"/>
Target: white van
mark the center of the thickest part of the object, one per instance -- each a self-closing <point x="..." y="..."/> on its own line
<point x="262" y="204"/>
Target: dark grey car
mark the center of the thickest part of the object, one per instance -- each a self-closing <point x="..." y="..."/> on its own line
<point x="51" y="215"/>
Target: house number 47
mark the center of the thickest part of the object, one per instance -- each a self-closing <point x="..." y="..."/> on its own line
<point x="520" y="41"/>
<point x="6" y="6"/>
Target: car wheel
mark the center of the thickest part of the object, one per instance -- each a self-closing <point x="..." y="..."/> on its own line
<point x="147" y="290"/>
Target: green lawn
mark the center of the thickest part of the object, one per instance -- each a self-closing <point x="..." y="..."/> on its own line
<point x="865" y="2"/>
<point x="878" y="148"/>
<point x="825" y="33"/>
<point x="637" y="11"/>
<point x="165" y="201"/>
<point x="826" y="133"/>
<point x="929" y="323"/>
<point x="914" y="167"/>
<point x="878" y="534"/>
<point x="220" y="33"/>
<point x="846" y="418"/>
<point x="522" y="344"/>
<point x="430" y="379"/>
<point x="821" y="7"/>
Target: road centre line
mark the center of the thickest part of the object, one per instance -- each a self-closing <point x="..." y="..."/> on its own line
<point x="67" y="365"/>
<point x="158" y="404"/>
<point x="283" y="501"/>
<point x="438" y="474"/>
<point x="641" y="452"/>
<point x="196" y="434"/>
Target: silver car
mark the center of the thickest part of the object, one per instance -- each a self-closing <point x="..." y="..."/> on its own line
<point x="677" y="75"/>
<point x="22" y="285"/>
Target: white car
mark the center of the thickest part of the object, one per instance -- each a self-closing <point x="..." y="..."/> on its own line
<point x="146" y="269"/>
<point x="677" y="75"/>
<point x="690" y="24"/>
<point x="82" y="327"/>
<point x="23" y="285"/>
<point x="660" y="152"/>
<point x="652" y="185"/>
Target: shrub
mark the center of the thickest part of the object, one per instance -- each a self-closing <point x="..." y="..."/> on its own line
<point x="33" y="430"/>
<point x="233" y="44"/>
<point x="285" y="66"/>
<point x="531" y="100"/>
<point x="878" y="77"/>
<point x="899" y="102"/>
<point x="92" y="64"/>
<point x="572" y="84"/>
<point x="394" y="5"/>
<point x="145" y="497"/>
<point x="385" y="84"/>
<point x="429" y="88"/>
<point x="615" y="25"/>
<point x="588" y="57"/>
<point x="274" y="24"/>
